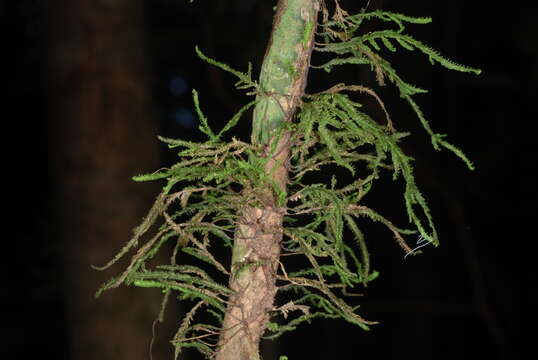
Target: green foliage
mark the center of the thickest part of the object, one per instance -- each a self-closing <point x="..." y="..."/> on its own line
<point x="244" y="79"/>
<point x="214" y="180"/>
<point x="342" y="39"/>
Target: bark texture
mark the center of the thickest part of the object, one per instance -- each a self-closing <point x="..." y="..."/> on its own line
<point x="259" y="232"/>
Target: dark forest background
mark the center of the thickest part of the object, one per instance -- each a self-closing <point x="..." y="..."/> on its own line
<point x="88" y="85"/>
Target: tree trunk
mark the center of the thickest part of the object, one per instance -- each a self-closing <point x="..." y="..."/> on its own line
<point x="259" y="231"/>
<point x="101" y="134"/>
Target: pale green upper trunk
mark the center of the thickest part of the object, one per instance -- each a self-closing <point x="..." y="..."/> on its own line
<point x="285" y="66"/>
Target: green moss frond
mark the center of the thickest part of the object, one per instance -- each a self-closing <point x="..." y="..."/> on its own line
<point x="356" y="48"/>
<point x="204" y="126"/>
<point x="244" y="79"/>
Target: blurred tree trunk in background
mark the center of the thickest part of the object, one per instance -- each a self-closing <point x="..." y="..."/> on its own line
<point x="101" y="134"/>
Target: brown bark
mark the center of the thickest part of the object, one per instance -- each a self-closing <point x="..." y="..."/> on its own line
<point x="101" y="134"/>
<point x="260" y="231"/>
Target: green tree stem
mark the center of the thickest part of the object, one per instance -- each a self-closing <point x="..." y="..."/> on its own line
<point x="259" y="232"/>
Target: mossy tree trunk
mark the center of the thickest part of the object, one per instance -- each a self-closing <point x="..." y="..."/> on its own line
<point x="258" y="235"/>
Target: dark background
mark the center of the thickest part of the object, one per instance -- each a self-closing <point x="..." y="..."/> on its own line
<point x="469" y="298"/>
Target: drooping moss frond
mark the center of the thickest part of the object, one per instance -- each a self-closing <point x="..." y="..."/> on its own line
<point x="196" y="210"/>
<point x="333" y="130"/>
<point x="437" y="139"/>
<point x="343" y="38"/>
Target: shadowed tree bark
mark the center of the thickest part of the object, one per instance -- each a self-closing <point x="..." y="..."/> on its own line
<point x="101" y="134"/>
